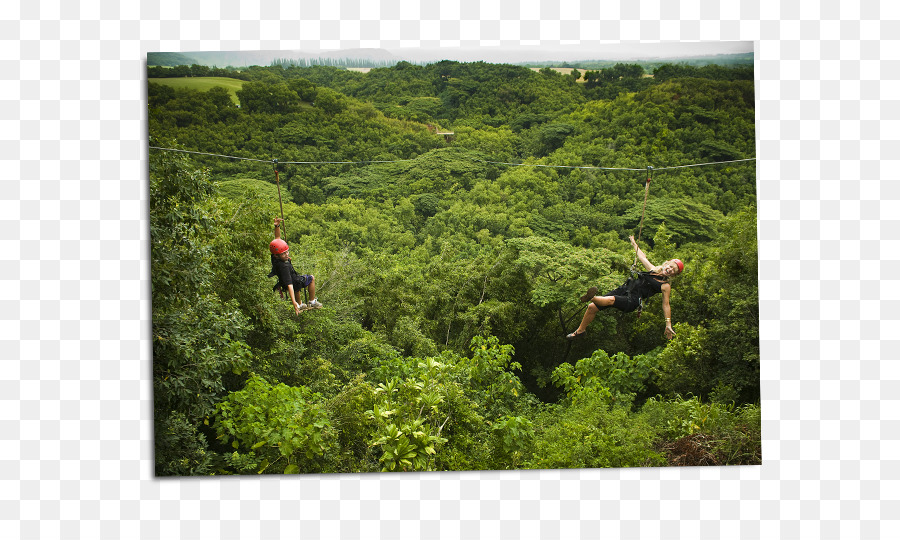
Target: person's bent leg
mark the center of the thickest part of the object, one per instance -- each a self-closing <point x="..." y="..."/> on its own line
<point x="313" y="303"/>
<point x="597" y="303"/>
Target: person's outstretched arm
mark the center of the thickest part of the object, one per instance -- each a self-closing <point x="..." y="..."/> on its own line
<point x="278" y="228"/>
<point x="667" y="310"/>
<point x="293" y="296"/>
<point x="640" y="255"/>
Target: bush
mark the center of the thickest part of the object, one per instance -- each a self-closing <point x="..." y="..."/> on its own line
<point x="590" y="433"/>
<point x="180" y="450"/>
<point x="285" y="425"/>
<point x="691" y="432"/>
<point x="618" y="376"/>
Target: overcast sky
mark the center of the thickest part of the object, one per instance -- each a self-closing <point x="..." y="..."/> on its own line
<point x="507" y="54"/>
<point x="584" y="51"/>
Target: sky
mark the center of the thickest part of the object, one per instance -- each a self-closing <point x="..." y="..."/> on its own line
<point x="583" y="51"/>
<point x="613" y="51"/>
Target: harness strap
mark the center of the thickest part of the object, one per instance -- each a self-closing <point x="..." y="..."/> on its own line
<point x="646" y="193"/>
<point x="277" y="183"/>
<point x="643" y="212"/>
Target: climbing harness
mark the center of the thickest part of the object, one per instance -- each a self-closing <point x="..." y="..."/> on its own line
<point x="640" y="307"/>
<point x="277" y="183"/>
<point x="280" y="246"/>
<point x="643" y="212"/>
<point x="564" y="321"/>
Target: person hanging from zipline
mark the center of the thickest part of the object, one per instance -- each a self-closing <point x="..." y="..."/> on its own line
<point x="629" y="295"/>
<point x="288" y="278"/>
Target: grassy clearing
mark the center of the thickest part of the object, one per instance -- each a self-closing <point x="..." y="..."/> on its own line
<point x="203" y="84"/>
<point x="564" y="71"/>
<point x="568" y="71"/>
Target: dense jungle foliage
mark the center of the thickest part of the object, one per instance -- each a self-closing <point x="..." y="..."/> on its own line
<point x="450" y="268"/>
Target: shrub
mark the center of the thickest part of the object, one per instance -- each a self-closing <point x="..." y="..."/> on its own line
<point x="691" y="432"/>
<point x="590" y="433"/>
<point x="285" y="425"/>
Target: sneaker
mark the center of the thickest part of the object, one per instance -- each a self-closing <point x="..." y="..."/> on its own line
<point x="315" y="304"/>
<point x="303" y="306"/>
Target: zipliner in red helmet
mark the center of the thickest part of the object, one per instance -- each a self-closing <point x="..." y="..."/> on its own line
<point x="278" y="246"/>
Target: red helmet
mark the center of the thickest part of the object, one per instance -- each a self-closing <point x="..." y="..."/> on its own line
<point x="278" y="246"/>
<point x="679" y="264"/>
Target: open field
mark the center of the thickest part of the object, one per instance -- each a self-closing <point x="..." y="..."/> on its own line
<point x="203" y="84"/>
<point x="567" y="71"/>
<point x="564" y="71"/>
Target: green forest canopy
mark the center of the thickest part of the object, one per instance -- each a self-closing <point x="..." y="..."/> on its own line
<point x="446" y="273"/>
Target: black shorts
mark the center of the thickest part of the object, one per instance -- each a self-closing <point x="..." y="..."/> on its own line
<point x="623" y="300"/>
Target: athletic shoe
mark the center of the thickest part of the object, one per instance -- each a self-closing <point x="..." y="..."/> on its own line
<point x="315" y="304"/>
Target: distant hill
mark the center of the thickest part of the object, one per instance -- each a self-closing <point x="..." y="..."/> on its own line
<point x="650" y="63"/>
<point x="169" y="59"/>
<point x="361" y="58"/>
<point x="265" y="58"/>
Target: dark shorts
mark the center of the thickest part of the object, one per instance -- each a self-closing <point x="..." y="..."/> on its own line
<point x="299" y="283"/>
<point x="624" y="301"/>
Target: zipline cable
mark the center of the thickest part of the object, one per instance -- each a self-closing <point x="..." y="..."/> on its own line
<point x="562" y="321"/>
<point x="477" y="160"/>
<point x="701" y="164"/>
<point x="343" y="162"/>
<point x="283" y="162"/>
<point x="558" y="166"/>
<point x="208" y="154"/>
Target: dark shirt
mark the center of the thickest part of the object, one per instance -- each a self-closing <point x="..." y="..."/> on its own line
<point x="645" y="285"/>
<point x="285" y="272"/>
